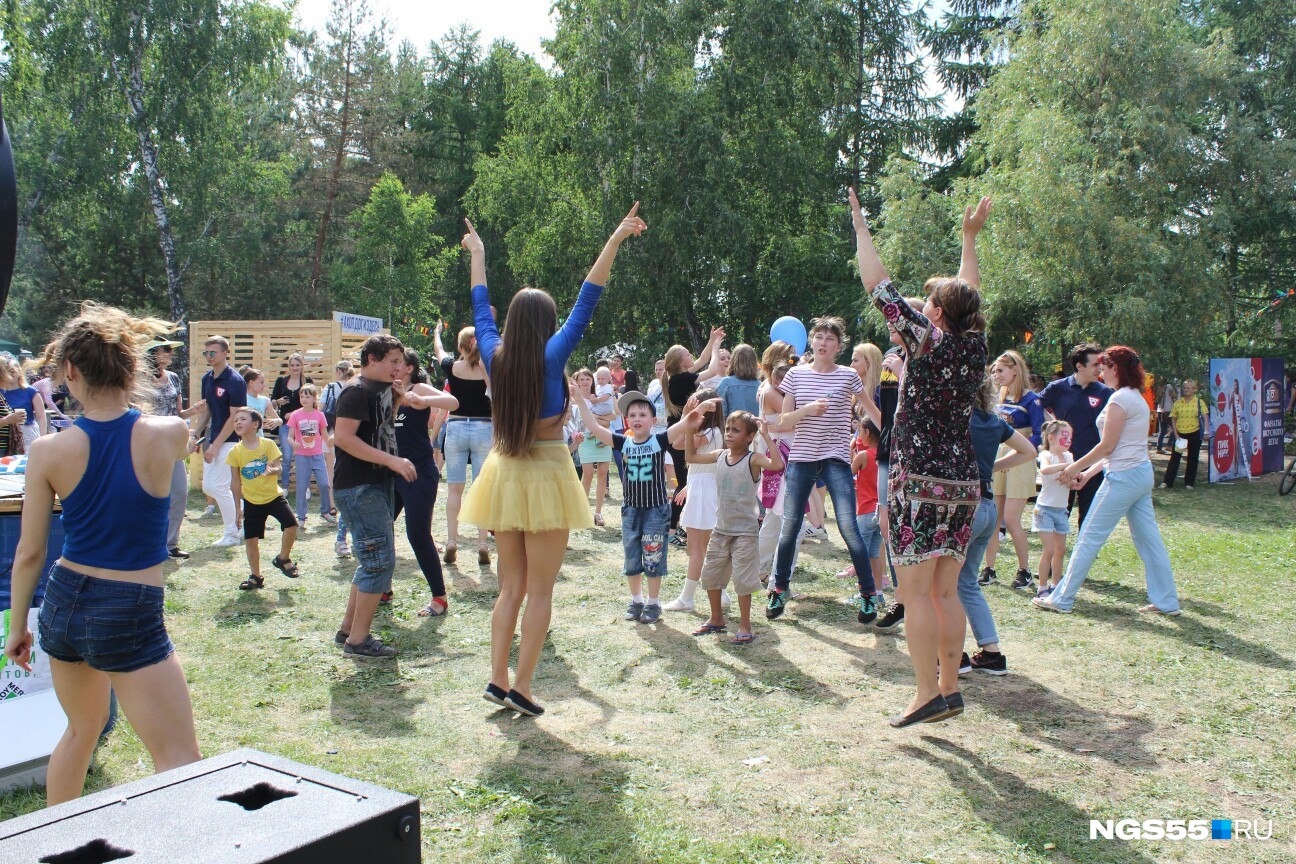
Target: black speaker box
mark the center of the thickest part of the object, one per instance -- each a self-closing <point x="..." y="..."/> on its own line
<point x="246" y="807"/>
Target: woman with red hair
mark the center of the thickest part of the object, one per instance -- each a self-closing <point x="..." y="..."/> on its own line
<point x="1126" y="490"/>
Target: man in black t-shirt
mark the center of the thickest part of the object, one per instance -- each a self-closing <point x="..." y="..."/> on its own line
<point x="365" y="439"/>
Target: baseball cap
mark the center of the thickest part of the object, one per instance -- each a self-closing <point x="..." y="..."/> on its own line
<point x="630" y="398"/>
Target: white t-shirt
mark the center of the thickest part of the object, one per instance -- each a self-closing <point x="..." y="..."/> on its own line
<point x="1052" y="493"/>
<point x="608" y="407"/>
<point x="1132" y="448"/>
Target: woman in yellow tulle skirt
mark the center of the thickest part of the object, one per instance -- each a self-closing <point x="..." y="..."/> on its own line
<point x="536" y="492"/>
<point x="527" y="492"/>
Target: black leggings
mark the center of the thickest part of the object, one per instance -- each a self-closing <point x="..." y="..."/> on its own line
<point x="681" y="479"/>
<point x="417" y="500"/>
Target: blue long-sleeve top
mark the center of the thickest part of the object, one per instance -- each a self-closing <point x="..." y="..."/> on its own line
<point x="557" y="350"/>
<point x="1027" y="411"/>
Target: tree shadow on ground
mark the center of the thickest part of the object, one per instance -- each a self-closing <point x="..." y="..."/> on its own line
<point x="1026" y="817"/>
<point x="560" y="803"/>
<point x="375" y="700"/>
<point x="1041" y="714"/>
<point x="759" y="667"/>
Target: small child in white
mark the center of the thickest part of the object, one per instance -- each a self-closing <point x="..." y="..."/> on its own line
<point x="732" y="550"/>
<point x="603" y="402"/>
<point x="1050" y="517"/>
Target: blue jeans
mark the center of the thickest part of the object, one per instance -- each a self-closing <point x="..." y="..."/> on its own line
<point x="307" y="466"/>
<point x="1125" y="493"/>
<point x="370" y="514"/>
<point x="870" y="533"/>
<point x="984" y="525"/>
<point x="643" y="538"/>
<point x="466" y="441"/>
<point x="286" y="447"/>
<point x="883" y="487"/>
<point x="800" y="479"/>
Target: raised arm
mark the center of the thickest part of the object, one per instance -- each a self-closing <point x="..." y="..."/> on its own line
<point x="604" y="436"/>
<point x="483" y="319"/>
<point x="913" y="328"/>
<point x="974" y="219"/>
<point x="710" y="352"/>
<point x="437" y="347"/>
<point x="872" y="273"/>
<point x="630" y="225"/>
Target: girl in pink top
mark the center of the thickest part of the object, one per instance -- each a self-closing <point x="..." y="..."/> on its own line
<point x="308" y="429"/>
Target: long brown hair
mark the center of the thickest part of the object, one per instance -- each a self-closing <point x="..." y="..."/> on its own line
<point x="518" y="371"/>
<point x="960" y="302"/>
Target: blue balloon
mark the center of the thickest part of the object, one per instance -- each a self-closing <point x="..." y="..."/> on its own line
<point x="790" y="330"/>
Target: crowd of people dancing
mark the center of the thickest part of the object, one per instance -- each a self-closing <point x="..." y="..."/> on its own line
<point x="929" y="451"/>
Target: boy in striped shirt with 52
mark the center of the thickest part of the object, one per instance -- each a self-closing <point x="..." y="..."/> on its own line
<point x="645" y="510"/>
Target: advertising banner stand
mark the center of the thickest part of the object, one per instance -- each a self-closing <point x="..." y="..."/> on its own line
<point x="1246" y="417"/>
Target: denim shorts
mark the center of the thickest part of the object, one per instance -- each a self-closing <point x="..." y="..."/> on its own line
<point x="870" y="533"/>
<point x="109" y="625"/>
<point x="643" y="538"/>
<point x="466" y="440"/>
<point x="1052" y="519"/>
<point x="369" y="512"/>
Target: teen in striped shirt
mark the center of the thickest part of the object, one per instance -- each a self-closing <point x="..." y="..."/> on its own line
<point x="817" y="407"/>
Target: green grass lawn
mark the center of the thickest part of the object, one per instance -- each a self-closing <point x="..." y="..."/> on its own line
<point x="658" y="747"/>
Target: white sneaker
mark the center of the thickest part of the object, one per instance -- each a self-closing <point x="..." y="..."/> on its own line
<point x="679" y="604"/>
<point x="211" y="508"/>
<point x="817" y="534"/>
<point x="343" y="551"/>
<point x="227" y="541"/>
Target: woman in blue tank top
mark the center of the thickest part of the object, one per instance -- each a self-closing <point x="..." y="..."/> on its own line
<point x="527" y="492"/>
<point x="101" y="620"/>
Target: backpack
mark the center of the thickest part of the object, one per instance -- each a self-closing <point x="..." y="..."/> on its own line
<point x="329" y="408"/>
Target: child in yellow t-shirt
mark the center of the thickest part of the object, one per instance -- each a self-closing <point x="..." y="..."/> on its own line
<point x="256" y="464"/>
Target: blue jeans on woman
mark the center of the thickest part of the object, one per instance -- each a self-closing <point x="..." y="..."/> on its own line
<point x="984" y="525"/>
<point x="800" y="479"/>
<point x="1125" y="493"/>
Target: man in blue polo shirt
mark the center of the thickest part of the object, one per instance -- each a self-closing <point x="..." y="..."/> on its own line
<point x="1078" y="399"/>
<point x="223" y="392"/>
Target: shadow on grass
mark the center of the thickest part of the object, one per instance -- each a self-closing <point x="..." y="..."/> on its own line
<point x="1048" y="717"/>
<point x="561" y="803"/>
<point x="373" y="699"/>
<point x="1026" y="817"/>
<point x="759" y="668"/>
<point x="248" y="606"/>
<point x="1190" y="630"/>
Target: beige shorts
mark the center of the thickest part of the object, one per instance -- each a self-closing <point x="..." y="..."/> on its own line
<point x="1016" y="482"/>
<point x="731" y="555"/>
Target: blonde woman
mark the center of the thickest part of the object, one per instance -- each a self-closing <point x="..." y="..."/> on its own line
<point x="679" y="381"/>
<point x="21" y="396"/>
<point x="468" y="430"/>
<point x="286" y="397"/>
<point x="1021" y="409"/>
<point x="737" y="390"/>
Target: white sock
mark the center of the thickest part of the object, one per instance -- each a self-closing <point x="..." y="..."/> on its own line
<point x="636" y="598"/>
<point x="654" y="601"/>
<point x="690" y="587"/>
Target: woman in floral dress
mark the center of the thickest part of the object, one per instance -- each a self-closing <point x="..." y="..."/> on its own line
<point x="934" y="485"/>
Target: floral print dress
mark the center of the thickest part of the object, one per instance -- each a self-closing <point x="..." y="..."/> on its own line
<point x="935" y="486"/>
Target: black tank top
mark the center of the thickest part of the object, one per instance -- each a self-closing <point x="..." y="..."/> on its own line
<point x="412" y="440"/>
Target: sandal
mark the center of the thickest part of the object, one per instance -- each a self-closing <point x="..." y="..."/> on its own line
<point x="252" y="583"/>
<point x="708" y="628"/>
<point x="598" y="520"/>
<point x="434" y="609"/>
<point x="450" y="552"/>
<point x="742" y="639"/>
<point x="286" y="566"/>
<point x="483" y="556"/>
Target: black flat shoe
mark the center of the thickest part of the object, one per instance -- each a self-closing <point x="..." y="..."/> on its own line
<point x="522" y="705"/>
<point x="921" y="714"/>
<point x="953" y="708"/>
<point x="495" y="696"/>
